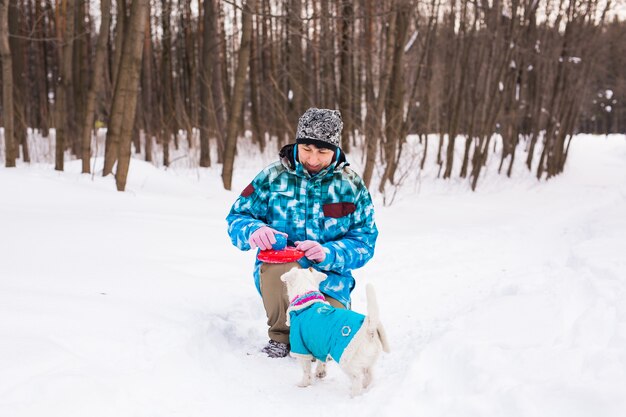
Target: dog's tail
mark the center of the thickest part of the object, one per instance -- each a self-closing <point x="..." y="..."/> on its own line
<point x="375" y="326"/>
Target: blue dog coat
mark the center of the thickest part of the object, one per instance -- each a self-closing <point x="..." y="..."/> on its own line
<point x="322" y="331"/>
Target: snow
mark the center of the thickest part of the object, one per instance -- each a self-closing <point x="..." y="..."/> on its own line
<point x="508" y="301"/>
<point x="411" y="41"/>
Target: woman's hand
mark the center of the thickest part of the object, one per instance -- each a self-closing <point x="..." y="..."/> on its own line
<point x="312" y="250"/>
<point x="263" y="238"/>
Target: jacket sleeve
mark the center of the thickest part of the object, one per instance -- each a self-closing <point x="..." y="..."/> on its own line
<point x="357" y="246"/>
<point x="248" y="213"/>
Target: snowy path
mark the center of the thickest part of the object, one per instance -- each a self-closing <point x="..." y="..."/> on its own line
<point x="506" y="302"/>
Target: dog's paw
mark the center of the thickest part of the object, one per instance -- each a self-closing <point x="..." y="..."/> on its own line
<point x="304" y="383"/>
<point x="320" y="371"/>
<point x="357" y="386"/>
<point x="355" y="391"/>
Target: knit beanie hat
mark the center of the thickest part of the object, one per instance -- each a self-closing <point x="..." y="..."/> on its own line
<point x="320" y="127"/>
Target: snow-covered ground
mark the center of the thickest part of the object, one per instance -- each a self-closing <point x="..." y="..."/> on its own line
<point x="504" y="302"/>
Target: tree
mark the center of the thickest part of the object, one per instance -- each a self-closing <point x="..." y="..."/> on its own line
<point x="376" y="103"/>
<point x="168" y="110"/>
<point x="238" y="91"/>
<point x="17" y="43"/>
<point x="345" y="59"/>
<point x="96" y="83"/>
<point x="482" y="75"/>
<point x="125" y="95"/>
<point x="254" y="74"/>
<point x="395" y="100"/>
<point x="294" y="58"/>
<point x="207" y="107"/>
<point x="64" y="86"/>
<point x="148" y="95"/>
<point x="7" y="85"/>
<point x="327" y="56"/>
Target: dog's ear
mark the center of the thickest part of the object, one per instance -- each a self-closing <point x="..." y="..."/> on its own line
<point x="288" y="276"/>
<point x="319" y="276"/>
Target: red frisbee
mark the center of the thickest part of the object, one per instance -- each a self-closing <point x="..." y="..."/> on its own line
<point x="283" y="256"/>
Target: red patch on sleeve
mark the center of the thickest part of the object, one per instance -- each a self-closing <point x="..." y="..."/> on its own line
<point x="338" y="210"/>
<point x="247" y="191"/>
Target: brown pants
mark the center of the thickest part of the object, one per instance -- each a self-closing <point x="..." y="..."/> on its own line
<point x="275" y="301"/>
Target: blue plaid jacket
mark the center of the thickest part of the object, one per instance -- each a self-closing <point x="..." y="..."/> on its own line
<point x="332" y="207"/>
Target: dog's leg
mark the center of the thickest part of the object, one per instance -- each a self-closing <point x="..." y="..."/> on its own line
<point x="306" y="372"/>
<point x="357" y="384"/>
<point x="320" y="370"/>
<point x="367" y="377"/>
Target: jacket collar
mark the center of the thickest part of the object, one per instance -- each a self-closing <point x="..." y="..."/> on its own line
<point x="287" y="158"/>
<point x="304" y="301"/>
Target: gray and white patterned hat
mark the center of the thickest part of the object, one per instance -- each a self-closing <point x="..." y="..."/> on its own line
<point x="320" y="127"/>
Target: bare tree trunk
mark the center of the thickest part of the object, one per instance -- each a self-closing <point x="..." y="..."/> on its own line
<point x="533" y="114"/>
<point x="128" y="86"/>
<point x="111" y="147"/>
<point x="296" y="94"/>
<point x="191" y="70"/>
<point x="206" y="78"/>
<point x="327" y="58"/>
<point x="17" y="34"/>
<point x="40" y="105"/>
<point x="219" y="80"/>
<point x="257" y="134"/>
<point x="277" y="81"/>
<point x="394" y="112"/>
<point x="225" y="77"/>
<point x="120" y="30"/>
<point x="125" y="96"/>
<point x="371" y="133"/>
<point x="345" y="86"/>
<point x="168" y="110"/>
<point x="80" y="78"/>
<point x="64" y="86"/>
<point x="496" y="63"/>
<point x="181" y="68"/>
<point x="378" y="102"/>
<point x="96" y="83"/>
<point x="464" y="43"/>
<point x="148" y="97"/>
<point x="266" y="88"/>
<point x="7" y="85"/>
<point x="238" y="93"/>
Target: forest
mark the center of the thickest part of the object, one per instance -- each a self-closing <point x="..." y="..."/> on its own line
<point x="524" y="76"/>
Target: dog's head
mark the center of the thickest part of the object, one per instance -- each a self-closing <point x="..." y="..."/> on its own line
<point x="300" y="281"/>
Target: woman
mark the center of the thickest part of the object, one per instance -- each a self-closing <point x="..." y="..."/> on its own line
<point x="321" y="206"/>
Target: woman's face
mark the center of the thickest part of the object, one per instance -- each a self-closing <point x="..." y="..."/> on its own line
<point x="313" y="158"/>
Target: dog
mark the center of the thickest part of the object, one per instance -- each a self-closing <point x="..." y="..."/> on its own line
<point x="320" y="331"/>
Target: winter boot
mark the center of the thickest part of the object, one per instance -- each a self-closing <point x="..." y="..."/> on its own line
<point x="275" y="349"/>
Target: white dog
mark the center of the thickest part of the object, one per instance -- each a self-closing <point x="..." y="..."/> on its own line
<point x="323" y="332"/>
